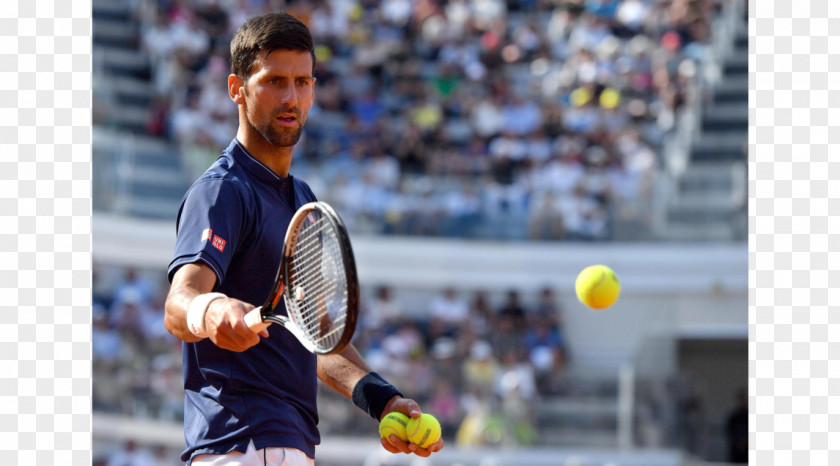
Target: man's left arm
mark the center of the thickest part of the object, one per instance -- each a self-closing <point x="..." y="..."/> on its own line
<point x="347" y="373"/>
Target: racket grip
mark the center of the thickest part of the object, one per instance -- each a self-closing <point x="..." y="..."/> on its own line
<point x="254" y="321"/>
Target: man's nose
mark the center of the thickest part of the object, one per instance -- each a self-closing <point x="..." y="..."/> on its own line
<point x="288" y="94"/>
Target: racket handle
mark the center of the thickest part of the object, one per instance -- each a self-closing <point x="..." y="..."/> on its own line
<point x="254" y="320"/>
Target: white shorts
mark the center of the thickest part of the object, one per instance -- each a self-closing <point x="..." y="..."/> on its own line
<point x="252" y="457"/>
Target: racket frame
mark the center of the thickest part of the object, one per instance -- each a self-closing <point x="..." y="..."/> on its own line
<point x="281" y="286"/>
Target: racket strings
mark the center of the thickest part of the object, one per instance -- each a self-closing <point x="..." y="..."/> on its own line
<point x="316" y="280"/>
<point x="317" y="276"/>
<point x="311" y="309"/>
<point x="338" y="293"/>
<point x="308" y="263"/>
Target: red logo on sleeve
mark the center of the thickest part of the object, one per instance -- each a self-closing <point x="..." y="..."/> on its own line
<point x="206" y="234"/>
<point x="219" y="243"/>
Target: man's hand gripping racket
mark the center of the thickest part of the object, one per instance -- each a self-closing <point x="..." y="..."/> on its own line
<point x="317" y="278"/>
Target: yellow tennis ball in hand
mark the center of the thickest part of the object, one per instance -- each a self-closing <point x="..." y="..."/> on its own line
<point x="423" y="431"/>
<point x="393" y="423"/>
<point x="597" y="287"/>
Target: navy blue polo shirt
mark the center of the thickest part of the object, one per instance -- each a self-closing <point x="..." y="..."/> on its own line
<point x="234" y="219"/>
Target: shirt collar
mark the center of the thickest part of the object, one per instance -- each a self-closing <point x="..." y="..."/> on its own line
<point x="253" y="166"/>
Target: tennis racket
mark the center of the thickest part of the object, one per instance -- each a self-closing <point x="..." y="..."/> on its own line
<point x="317" y="279"/>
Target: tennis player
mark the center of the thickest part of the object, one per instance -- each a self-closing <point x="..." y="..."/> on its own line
<point x="250" y="398"/>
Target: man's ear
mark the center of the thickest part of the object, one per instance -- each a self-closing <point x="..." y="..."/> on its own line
<point x="236" y="89"/>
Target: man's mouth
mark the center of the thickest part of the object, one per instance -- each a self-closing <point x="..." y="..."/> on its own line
<point x="287" y="120"/>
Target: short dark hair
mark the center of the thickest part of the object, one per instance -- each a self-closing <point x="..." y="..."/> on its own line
<point x="265" y="34"/>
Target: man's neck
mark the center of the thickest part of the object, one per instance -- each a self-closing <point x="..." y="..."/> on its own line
<point x="278" y="159"/>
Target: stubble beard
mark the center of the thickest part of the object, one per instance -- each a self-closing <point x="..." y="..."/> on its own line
<point x="286" y="137"/>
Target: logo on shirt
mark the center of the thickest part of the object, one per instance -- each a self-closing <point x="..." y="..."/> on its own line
<point x="219" y="243"/>
<point x="215" y="240"/>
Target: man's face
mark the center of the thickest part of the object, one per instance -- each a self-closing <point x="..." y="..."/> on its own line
<point x="279" y="94"/>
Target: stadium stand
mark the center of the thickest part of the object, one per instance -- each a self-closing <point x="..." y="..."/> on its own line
<point x="486" y="383"/>
<point x="512" y="120"/>
<point x="561" y="120"/>
<point x="710" y="196"/>
<point x="574" y="376"/>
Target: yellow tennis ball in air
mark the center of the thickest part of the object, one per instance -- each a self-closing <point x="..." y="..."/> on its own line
<point x="423" y="431"/>
<point x="597" y="286"/>
<point x="393" y="423"/>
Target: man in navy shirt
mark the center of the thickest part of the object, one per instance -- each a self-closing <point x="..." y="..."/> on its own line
<point x="250" y="398"/>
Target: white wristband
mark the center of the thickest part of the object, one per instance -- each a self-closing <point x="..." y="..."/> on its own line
<point x="195" y="313"/>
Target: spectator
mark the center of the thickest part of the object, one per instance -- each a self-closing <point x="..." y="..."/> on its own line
<point x="129" y="315"/>
<point x="447" y="355"/>
<point x="515" y="375"/>
<point x="513" y="310"/>
<point x="516" y="387"/>
<point x="505" y="336"/>
<point x="384" y="311"/>
<point x="399" y="348"/>
<point x="131" y="455"/>
<point x="547" y="308"/>
<point x="546" y="221"/>
<point x="166" y="386"/>
<point x="480" y="369"/>
<point x="133" y="286"/>
<point x="101" y="294"/>
<point x="449" y="310"/>
<point x="106" y="343"/>
<point x="151" y="322"/>
<point x="420" y="374"/>
<point x="546" y="351"/>
<point x="481" y="316"/>
<point x="738" y="430"/>
<point x="445" y="404"/>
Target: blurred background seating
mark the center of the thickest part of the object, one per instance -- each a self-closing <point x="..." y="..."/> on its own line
<point x="544" y="120"/>
<point x="547" y="121"/>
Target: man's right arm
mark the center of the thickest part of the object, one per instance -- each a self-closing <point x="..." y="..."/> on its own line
<point x="224" y="319"/>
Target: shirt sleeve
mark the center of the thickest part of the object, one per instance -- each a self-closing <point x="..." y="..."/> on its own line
<point x="211" y="223"/>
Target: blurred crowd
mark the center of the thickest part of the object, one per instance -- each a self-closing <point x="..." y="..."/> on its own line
<point x="133" y="351"/>
<point x="489" y="367"/>
<point x="480" y="118"/>
<point x="466" y="360"/>
<point x="136" y="362"/>
<point x="472" y="363"/>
